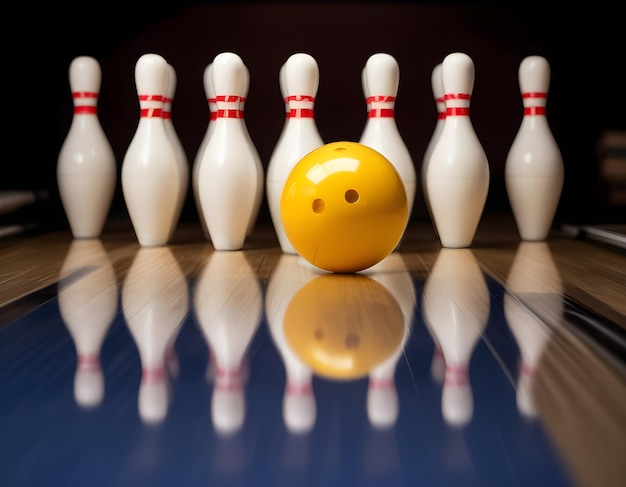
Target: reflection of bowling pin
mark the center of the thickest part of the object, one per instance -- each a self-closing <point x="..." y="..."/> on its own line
<point x="456" y="304"/>
<point x="181" y="156"/>
<point x="299" y="80"/>
<point x="437" y="87"/>
<point x="299" y="407"/>
<point x="457" y="175"/>
<point x="382" y="396"/>
<point x="228" y="173"/>
<point x="86" y="167"/>
<point x="533" y="305"/>
<point x="228" y="305"/>
<point x="534" y="171"/>
<point x="150" y="170"/>
<point x="87" y="303"/>
<point x="381" y="79"/>
<point x="210" y="96"/>
<point x="155" y="301"/>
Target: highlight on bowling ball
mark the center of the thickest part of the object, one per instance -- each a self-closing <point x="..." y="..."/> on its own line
<point x="344" y="207"/>
<point x="343" y="325"/>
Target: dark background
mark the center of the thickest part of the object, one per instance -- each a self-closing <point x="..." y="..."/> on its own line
<point x="585" y="48"/>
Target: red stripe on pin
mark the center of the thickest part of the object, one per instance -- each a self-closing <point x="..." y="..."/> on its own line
<point x="151" y="97"/>
<point x="441" y="116"/>
<point x="153" y="375"/>
<point x="534" y="110"/>
<point x="84" y="94"/>
<point x="380" y="113"/>
<point x="87" y="110"/>
<point x="151" y="112"/>
<point x="229" y="114"/>
<point x="457" y="112"/>
<point x="457" y="96"/>
<point x="167" y="115"/>
<point x="456" y="376"/>
<point x="300" y="113"/>
<point x="213" y="116"/>
<point x="298" y="389"/>
<point x="380" y="98"/>
<point x="228" y="98"/>
<point x="534" y="94"/>
<point x="381" y="384"/>
<point x="299" y="98"/>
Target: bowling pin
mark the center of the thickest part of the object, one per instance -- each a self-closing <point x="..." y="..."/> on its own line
<point x="457" y="174"/>
<point x="381" y="79"/>
<point x="382" y="395"/>
<point x="155" y="301"/>
<point x="533" y="308"/>
<point x="456" y="307"/>
<point x="210" y="96"/>
<point x="257" y="159"/>
<point x="299" y="81"/>
<point x="437" y="87"/>
<point x="87" y="297"/>
<point x="228" y="306"/>
<point x="86" y="166"/>
<point x="150" y="171"/>
<point x="228" y="173"/>
<point x="181" y="155"/>
<point x="534" y="170"/>
<point x="299" y="408"/>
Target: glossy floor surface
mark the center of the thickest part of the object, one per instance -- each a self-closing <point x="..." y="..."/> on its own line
<point x="495" y="365"/>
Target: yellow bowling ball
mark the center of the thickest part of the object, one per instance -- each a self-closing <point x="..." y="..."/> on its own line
<point x="342" y="326"/>
<point x="344" y="207"/>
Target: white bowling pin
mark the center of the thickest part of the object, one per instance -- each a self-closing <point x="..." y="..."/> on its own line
<point x="228" y="172"/>
<point x="260" y="190"/>
<point x="155" y="301"/>
<point x="456" y="306"/>
<point x="534" y="172"/>
<point x="209" y="92"/>
<point x="150" y="170"/>
<point x="181" y="155"/>
<point x="381" y="80"/>
<point x="457" y="176"/>
<point x="228" y="306"/>
<point x="86" y="166"/>
<point x="299" y="408"/>
<point x="438" y="93"/>
<point x="533" y="307"/>
<point x="382" y="395"/>
<point x="299" y="81"/>
<point x="87" y="299"/>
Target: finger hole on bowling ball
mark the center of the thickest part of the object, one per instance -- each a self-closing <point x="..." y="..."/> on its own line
<point x="352" y="341"/>
<point x="319" y="205"/>
<point x="352" y="196"/>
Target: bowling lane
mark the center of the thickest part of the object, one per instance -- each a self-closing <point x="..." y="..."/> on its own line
<point x="182" y="366"/>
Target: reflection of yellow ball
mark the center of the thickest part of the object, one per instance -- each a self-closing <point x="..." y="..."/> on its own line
<point x="342" y="326"/>
<point x="344" y="207"/>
